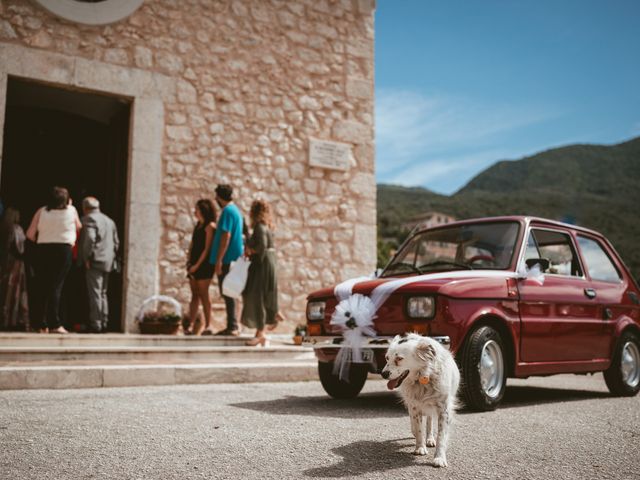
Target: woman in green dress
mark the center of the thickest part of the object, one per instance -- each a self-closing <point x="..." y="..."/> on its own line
<point x="260" y="296"/>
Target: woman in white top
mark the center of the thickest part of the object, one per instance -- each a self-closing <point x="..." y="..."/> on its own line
<point x="54" y="228"/>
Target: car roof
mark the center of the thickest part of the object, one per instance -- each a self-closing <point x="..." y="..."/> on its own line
<point x="522" y="219"/>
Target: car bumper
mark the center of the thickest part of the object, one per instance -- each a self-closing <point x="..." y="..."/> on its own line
<point x="367" y="342"/>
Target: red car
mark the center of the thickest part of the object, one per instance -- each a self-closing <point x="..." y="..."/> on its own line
<point x="510" y="296"/>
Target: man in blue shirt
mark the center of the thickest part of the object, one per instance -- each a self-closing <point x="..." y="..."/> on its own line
<point x="227" y="247"/>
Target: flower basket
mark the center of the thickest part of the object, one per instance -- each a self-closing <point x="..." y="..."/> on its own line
<point x="164" y="319"/>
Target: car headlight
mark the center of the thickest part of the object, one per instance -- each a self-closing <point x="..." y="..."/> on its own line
<point x="421" y="307"/>
<point x="315" y="310"/>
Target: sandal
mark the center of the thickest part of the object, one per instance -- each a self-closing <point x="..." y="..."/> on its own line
<point x="58" y="330"/>
<point x="257" y="342"/>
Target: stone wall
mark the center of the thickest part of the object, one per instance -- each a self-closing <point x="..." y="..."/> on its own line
<point x="254" y="80"/>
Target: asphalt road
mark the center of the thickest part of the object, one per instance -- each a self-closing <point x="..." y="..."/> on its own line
<point x="564" y="427"/>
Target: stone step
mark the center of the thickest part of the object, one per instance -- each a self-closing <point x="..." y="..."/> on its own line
<point x="30" y="360"/>
<point x="124" y="340"/>
<point x="144" y="354"/>
<point x="93" y="376"/>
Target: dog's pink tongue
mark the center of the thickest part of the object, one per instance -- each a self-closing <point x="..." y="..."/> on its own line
<point x="391" y="384"/>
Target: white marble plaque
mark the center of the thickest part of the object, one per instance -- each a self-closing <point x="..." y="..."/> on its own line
<point x="327" y="154"/>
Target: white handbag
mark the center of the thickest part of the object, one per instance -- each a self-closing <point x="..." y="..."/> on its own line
<point x="236" y="279"/>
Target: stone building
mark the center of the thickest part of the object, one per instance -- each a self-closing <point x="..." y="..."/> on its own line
<point x="148" y="104"/>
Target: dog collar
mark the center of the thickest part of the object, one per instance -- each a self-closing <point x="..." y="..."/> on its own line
<point x="423" y="380"/>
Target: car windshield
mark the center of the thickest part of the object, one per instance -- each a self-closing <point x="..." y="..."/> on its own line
<point x="472" y="247"/>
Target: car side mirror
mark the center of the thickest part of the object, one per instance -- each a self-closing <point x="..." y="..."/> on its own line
<point x="543" y="262"/>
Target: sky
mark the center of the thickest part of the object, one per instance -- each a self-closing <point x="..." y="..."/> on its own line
<point x="462" y="84"/>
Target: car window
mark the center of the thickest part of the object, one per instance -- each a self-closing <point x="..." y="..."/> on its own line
<point x="408" y="254"/>
<point x="598" y="262"/>
<point x="532" y="248"/>
<point x="557" y="248"/>
<point x="477" y="255"/>
<point x="470" y="246"/>
<point x="431" y="251"/>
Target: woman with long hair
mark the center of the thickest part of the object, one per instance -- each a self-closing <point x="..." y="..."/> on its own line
<point x="13" y="279"/>
<point x="260" y="296"/>
<point x="54" y="229"/>
<point x="199" y="270"/>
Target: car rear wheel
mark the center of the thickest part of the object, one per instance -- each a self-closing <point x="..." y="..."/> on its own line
<point x="341" y="389"/>
<point x="482" y="363"/>
<point x="623" y="376"/>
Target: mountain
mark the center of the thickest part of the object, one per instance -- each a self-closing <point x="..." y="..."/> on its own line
<point x="595" y="169"/>
<point x="594" y="186"/>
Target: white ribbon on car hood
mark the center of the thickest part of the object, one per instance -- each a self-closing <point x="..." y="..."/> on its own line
<point x="354" y="314"/>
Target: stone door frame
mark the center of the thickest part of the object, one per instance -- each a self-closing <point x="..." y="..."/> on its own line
<point x="147" y="93"/>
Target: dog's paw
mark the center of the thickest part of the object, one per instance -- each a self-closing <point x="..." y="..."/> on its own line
<point x="420" y="451"/>
<point x="431" y="442"/>
<point x="440" y="462"/>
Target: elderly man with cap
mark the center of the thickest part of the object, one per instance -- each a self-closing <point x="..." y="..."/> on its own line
<point x="97" y="250"/>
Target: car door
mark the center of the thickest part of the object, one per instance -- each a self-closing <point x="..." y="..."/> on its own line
<point x="559" y="314"/>
<point x="608" y="285"/>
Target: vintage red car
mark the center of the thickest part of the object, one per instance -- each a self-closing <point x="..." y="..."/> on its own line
<point x="476" y="290"/>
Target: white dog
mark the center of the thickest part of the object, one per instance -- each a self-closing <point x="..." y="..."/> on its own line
<point x="428" y="378"/>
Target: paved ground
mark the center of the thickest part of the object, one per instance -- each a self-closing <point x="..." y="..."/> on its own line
<point x="564" y="427"/>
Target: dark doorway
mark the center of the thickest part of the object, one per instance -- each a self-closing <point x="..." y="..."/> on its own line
<point x="79" y="140"/>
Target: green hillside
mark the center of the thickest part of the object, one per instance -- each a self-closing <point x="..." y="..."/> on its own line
<point x="595" y="186"/>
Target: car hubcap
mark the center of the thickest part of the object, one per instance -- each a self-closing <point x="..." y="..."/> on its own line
<point x="630" y="364"/>
<point x="491" y="369"/>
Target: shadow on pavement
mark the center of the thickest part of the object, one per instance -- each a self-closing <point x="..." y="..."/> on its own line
<point x="523" y="396"/>
<point x="372" y="405"/>
<point x="388" y="405"/>
<point x="360" y="458"/>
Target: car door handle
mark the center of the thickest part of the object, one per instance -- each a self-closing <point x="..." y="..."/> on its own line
<point x="590" y="292"/>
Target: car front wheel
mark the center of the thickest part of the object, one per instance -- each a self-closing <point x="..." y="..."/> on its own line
<point x="623" y="376"/>
<point x="484" y="377"/>
<point x="341" y="389"/>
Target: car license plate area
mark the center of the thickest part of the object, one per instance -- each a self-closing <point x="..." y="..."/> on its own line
<point x="367" y="355"/>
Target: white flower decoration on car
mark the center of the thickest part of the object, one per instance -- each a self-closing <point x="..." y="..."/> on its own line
<point x="353" y="316"/>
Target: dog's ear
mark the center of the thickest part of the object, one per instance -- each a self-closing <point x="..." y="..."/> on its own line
<point x="425" y="351"/>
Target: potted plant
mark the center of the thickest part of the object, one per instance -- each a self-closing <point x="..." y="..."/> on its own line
<point x="299" y="333"/>
<point x="165" y="319"/>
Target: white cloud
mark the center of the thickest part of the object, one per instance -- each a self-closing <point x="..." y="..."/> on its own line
<point x="440" y="172"/>
<point x="423" y="139"/>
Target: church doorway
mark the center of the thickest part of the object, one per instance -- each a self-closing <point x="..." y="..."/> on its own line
<point x="78" y="140"/>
